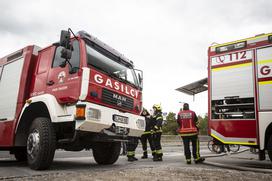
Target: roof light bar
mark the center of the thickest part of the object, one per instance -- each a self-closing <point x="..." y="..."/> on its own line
<point x="231" y="47"/>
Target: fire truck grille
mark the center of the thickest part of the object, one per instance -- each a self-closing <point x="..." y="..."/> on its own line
<point x="118" y="100"/>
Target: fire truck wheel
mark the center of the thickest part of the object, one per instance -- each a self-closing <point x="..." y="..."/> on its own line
<point x="106" y="153"/>
<point x="20" y="154"/>
<point x="41" y="144"/>
<point x="269" y="148"/>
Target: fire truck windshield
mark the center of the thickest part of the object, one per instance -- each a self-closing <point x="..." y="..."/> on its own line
<point x="109" y="64"/>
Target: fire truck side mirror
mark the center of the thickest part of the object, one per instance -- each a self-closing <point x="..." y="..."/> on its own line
<point x="65" y="39"/>
<point x="140" y="77"/>
<point x="66" y="54"/>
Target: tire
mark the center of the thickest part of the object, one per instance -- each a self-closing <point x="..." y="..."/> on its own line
<point x="41" y="144"/>
<point x="269" y="147"/>
<point x="216" y="148"/>
<point x="234" y="148"/>
<point x="210" y="145"/>
<point x="20" y="154"/>
<point x="106" y="153"/>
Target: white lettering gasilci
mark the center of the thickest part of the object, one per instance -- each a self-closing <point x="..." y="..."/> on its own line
<point x="115" y="85"/>
<point x="98" y="79"/>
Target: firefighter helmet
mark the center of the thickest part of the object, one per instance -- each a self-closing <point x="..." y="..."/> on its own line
<point x="157" y="107"/>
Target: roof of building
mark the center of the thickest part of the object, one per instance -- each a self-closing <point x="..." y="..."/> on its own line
<point x="195" y="87"/>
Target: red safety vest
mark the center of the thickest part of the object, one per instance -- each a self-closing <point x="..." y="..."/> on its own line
<point x="187" y="123"/>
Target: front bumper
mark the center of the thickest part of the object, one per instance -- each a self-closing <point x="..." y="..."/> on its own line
<point x="103" y="123"/>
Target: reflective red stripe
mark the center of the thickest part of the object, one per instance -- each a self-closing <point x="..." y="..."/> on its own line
<point x="264" y="79"/>
<point x="232" y="63"/>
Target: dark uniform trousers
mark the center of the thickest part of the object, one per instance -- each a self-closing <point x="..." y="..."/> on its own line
<point x="195" y="144"/>
<point x="131" y="146"/>
<point x="147" y="137"/>
<point x="157" y="142"/>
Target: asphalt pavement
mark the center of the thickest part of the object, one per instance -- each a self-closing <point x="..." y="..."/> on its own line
<point x="69" y="163"/>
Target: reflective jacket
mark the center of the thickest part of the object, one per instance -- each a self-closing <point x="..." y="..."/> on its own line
<point x="157" y="120"/>
<point x="188" y="123"/>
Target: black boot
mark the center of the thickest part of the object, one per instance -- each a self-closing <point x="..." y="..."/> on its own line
<point x="144" y="155"/>
<point x="160" y="158"/>
<point x="200" y="160"/>
<point x="188" y="161"/>
<point x="157" y="158"/>
<point x="130" y="159"/>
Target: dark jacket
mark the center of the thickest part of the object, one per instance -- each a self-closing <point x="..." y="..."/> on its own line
<point x="157" y="120"/>
<point x="148" y="124"/>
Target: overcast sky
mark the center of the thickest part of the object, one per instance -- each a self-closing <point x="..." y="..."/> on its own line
<point x="167" y="39"/>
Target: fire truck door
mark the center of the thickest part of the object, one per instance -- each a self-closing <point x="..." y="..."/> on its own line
<point x="63" y="82"/>
<point x="264" y="66"/>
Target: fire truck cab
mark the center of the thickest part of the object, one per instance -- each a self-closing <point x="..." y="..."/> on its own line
<point x="78" y="93"/>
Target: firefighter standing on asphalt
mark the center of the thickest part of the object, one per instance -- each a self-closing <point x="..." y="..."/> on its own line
<point x="188" y="130"/>
<point x="147" y="135"/>
<point x="157" y="120"/>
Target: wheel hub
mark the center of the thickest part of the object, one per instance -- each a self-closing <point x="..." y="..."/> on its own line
<point x="33" y="142"/>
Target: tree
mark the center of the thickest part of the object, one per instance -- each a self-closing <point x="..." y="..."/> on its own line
<point x="203" y="125"/>
<point x="171" y="124"/>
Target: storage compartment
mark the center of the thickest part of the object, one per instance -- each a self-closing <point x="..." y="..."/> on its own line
<point x="233" y="108"/>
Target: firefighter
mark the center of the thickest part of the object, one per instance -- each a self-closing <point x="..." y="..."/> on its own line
<point x="188" y="130"/>
<point x="131" y="147"/>
<point x="147" y="135"/>
<point x="157" y="120"/>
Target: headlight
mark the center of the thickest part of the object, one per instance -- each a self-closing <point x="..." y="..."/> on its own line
<point x="140" y="123"/>
<point x="93" y="114"/>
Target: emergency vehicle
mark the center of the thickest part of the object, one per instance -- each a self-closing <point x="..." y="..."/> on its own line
<point x="78" y="93"/>
<point x="240" y="92"/>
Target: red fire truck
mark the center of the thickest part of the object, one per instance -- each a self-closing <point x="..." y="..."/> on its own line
<point x="240" y="92"/>
<point x="78" y="93"/>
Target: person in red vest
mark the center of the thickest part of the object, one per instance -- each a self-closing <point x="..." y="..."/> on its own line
<point x="188" y="130"/>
